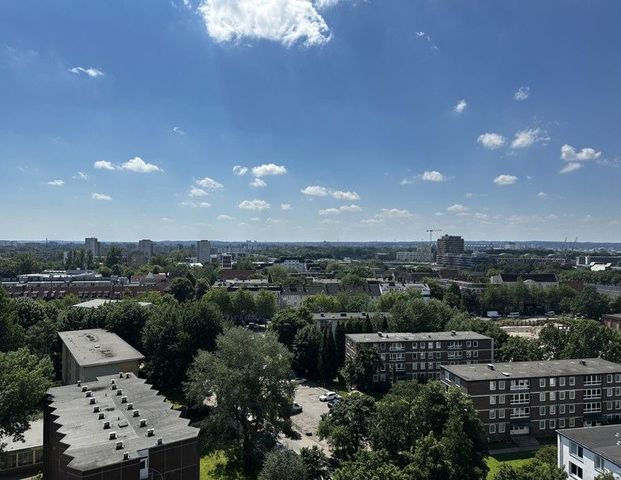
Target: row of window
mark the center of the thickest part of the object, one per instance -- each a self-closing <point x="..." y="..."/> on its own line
<point x="589" y="380"/>
<point x="427" y="345"/>
<point x="396" y="357"/>
<point x="10" y="461"/>
<point x="493" y="428"/>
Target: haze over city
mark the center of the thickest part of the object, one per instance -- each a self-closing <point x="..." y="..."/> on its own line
<point x="311" y="120"/>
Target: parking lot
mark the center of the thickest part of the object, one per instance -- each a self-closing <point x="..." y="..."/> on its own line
<point x="308" y="420"/>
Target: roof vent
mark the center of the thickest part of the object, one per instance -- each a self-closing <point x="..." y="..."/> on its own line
<point x="123" y="399"/>
<point x="84" y="388"/>
<point x="120" y="374"/>
<point x="119" y="392"/>
<point x="380" y="334"/>
<point x="128" y="375"/>
<point x="113" y="381"/>
<point x="453" y="332"/>
<point x="130" y="406"/>
<point x="106" y="425"/>
<point x="89" y="393"/>
<point x="150" y="432"/>
<point x="79" y="383"/>
<point x="96" y="409"/>
<point x="92" y="401"/>
<point x="125" y="455"/>
<point x="143" y="423"/>
<point x="112" y="436"/>
<point x="583" y="362"/>
<point x="119" y="445"/>
<point x="136" y="413"/>
<point x="159" y="441"/>
<point x="491" y="366"/>
<point x="113" y="386"/>
<point x="506" y="374"/>
<point x="101" y="416"/>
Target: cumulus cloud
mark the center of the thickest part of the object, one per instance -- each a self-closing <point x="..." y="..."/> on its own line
<point x="197" y="192"/>
<point x="505" y="179"/>
<point x="571" y="167"/>
<point x="491" y="141"/>
<point x="460" y="106"/>
<point x="138" y="165"/>
<point x="268" y="169"/>
<point x="239" y="170"/>
<point x="285" y="206"/>
<point x="224" y="218"/>
<point x="284" y="21"/>
<point x="432" y="176"/>
<point x="90" y="71"/>
<point x="56" y="183"/>
<point x="104" y="165"/>
<point x="528" y="137"/>
<point x="258" y="183"/>
<point x="570" y="154"/>
<point x="80" y="176"/>
<point x="178" y="131"/>
<point x="209" y="184"/>
<point x="101" y="196"/>
<point x="394" y="213"/>
<point x="521" y="93"/>
<point x="457" y="208"/>
<point x="341" y="209"/>
<point x="196" y="204"/>
<point x="254" y="205"/>
<point x="315" y="191"/>
<point x="341" y="195"/>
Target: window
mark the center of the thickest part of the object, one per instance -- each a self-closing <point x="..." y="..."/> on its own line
<point x="475" y="354"/>
<point x="617" y="391"/>
<point x="492" y="414"/>
<point x="501" y="413"/>
<point x="552" y="396"/>
<point x="542" y="396"/>
<point x="414" y="356"/>
<point x="575" y="470"/>
<point x="542" y="424"/>
<point x="415" y="367"/>
<point x="422" y="345"/>
<point x="553" y="382"/>
<point x="552" y="424"/>
<point x="492" y="428"/>
<point x="572" y="409"/>
<point x="608" y="405"/>
<point x="501" y="385"/>
<point x="492" y="399"/>
<point x="592" y="407"/>
<point x="520" y="412"/>
<point x="501" y="399"/>
<point x="617" y="404"/>
<point x="397" y="346"/>
<point x="492" y="385"/>
<point x="575" y="449"/>
<point x="542" y="382"/>
<point x="475" y="343"/>
<point x="422" y="355"/>
<point x="561" y="423"/>
<point x="518" y="398"/>
<point x="599" y="463"/>
<point x="572" y="381"/>
<point x="572" y="394"/>
<point x="618" y="378"/>
<point x="439" y="355"/>
<point x="38" y="455"/>
<point x="609" y="378"/>
<point x="519" y="384"/>
<point x="468" y="344"/>
<point x="501" y="428"/>
<point x="561" y="395"/>
<point x="591" y="393"/>
<point x="552" y="409"/>
<point x="572" y="422"/>
<point x="24" y="458"/>
<point x="430" y="345"/>
<point x="400" y="367"/>
<point x="561" y="409"/>
<point x="592" y="380"/>
<point x="414" y="345"/>
<point x="542" y="411"/>
<point x="561" y="381"/>
<point x="609" y="392"/>
<point x="438" y="345"/>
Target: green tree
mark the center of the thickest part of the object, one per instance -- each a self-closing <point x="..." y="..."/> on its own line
<point x="286" y="324"/>
<point x="316" y="463"/>
<point x="339" y="343"/>
<point x="519" y="349"/>
<point x="328" y="363"/>
<point x="252" y="388"/>
<point x="306" y="349"/>
<point x="347" y="426"/>
<point x="201" y="287"/>
<point x="29" y="312"/>
<point x="182" y="289"/>
<point x="429" y="460"/>
<point x="589" y="303"/>
<point x="283" y="465"/>
<point x="358" y="371"/>
<point x="220" y="297"/>
<point x="24" y="379"/>
<point x="605" y="476"/>
<point x="371" y="466"/>
<point x="265" y="304"/>
<point x="243" y="304"/>
<point x="113" y="257"/>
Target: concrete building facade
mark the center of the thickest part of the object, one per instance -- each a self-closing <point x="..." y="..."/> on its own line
<point x="203" y="252"/>
<point x="92" y="245"/>
<point x="449" y="244"/>
<point x="146" y="247"/>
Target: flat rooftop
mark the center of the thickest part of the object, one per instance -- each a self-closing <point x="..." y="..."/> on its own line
<point x="602" y="440"/>
<point x="89" y="444"/>
<point x="98" y="302"/>
<point x="414" y="337"/>
<point x="348" y="315"/>
<point x="616" y="316"/>
<point x="551" y="368"/>
<point x="33" y="438"/>
<point x="98" y="346"/>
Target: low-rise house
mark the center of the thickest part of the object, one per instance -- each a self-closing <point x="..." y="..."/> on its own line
<point x="540" y="279"/>
<point x="586" y="453"/>
<point x="331" y="320"/>
<point x="612" y="321"/>
<point x="24" y="457"/>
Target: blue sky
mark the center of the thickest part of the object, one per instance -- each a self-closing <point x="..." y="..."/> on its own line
<point x="350" y="120"/>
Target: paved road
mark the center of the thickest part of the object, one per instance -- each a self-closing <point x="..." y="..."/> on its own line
<point x="308" y="420"/>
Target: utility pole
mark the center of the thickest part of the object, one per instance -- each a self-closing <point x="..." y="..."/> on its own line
<point x="430" y="231"/>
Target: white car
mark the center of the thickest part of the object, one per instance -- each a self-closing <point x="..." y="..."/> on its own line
<point x="328" y="396"/>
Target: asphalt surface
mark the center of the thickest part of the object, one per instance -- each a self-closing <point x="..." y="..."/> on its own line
<point x="308" y="420"/>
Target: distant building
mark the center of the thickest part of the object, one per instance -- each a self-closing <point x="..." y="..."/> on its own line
<point x="146" y="247"/>
<point x="411" y="356"/>
<point x="397" y="287"/>
<point x="116" y="427"/>
<point x="418" y="254"/>
<point x="203" y="252"/>
<point x="531" y="279"/>
<point x="99" y="302"/>
<point x="226" y="261"/>
<point x="23" y="458"/>
<point x="87" y="354"/>
<point x="536" y="398"/>
<point x="586" y="453"/>
<point x="612" y="321"/>
<point x="331" y="320"/>
<point x="296" y="264"/>
<point x="463" y="260"/>
<point x="92" y="245"/>
<point x="449" y="244"/>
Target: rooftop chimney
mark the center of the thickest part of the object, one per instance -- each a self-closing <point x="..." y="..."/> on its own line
<point x="136" y="413"/>
<point x="92" y="401"/>
<point x="130" y="406"/>
<point x="112" y="436"/>
<point x="101" y="416"/>
<point x="123" y="399"/>
<point x="159" y="441"/>
<point x="106" y="425"/>
<point x="143" y="423"/>
<point x="119" y="445"/>
<point x="150" y="432"/>
<point x="96" y="409"/>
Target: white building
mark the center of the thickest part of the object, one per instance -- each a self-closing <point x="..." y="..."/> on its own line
<point x="92" y="245"/>
<point x="203" y="252"/>
<point x="585" y="453"/>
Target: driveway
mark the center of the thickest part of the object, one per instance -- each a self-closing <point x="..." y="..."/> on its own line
<point x="308" y="420"/>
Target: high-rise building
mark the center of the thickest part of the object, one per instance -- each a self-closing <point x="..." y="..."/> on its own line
<point x="203" y="251"/>
<point x="146" y="247"/>
<point x="92" y="245"/>
<point x="450" y="244"/>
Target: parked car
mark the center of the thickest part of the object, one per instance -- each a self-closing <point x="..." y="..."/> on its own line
<point x="328" y="396"/>
<point x="551" y="313"/>
<point x="514" y="315"/>
<point x="492" y="314"/>
<point x="296" y="408"/>
<point x="332" y="403"/>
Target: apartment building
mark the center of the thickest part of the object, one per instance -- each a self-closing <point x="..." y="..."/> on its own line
<point x="116" y="427"/>
<point x="91" y="244"/>
<point x="418" y="356"/>
<point x="586" y="453"/>
<point x="536" y="398"/>
<point x="449" y="244"/>
<point x="146" y="248"/>
<point x="203" y="252"/>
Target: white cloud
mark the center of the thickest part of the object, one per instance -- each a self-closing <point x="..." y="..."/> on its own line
<point x="284" y="21"/>
<point x="104" y="165"/>
<point x="343" y="208"/>
<point x="224" y="218"/>
<point x="178" y="131"/>
<point x="254" y="205"/>
<point x="571" y="167"/>
<point x="273" y="221"/>
<point x="457" y="208"/>
<point x="101" y="196"/>
<point x="197" y="192"/>
<point x="258" y="183"/>
<point x="407" y="181"/>
<point x="505" y="179"/>
<point x="521" y="93"/>
<point x="209" y="184"/>
<point x="570" y="154"/>
<point x="491" y="141"/>
<point x="526" y="138"/>
<point x="469" y="195"/>
<point x="329" y="211"/>
<point x="432" y="176"/>
<point x="542" y="195"/>
<point x="56" y="183"/>
<point x="239" y="170"/>
<point x="268" y="169"/>
<point x="394" y="213"/>
<point x="349" y="196"/>
<point x="196" y="204"/>
<point x="460" y="106"/>
<point x="90" y="71"/>
<point x="80" y="176"/>
<point x="315" y="191"/>
<point x="427" y="37"/>
<point x="138" y="165"/>
<point x="285" y="206"/>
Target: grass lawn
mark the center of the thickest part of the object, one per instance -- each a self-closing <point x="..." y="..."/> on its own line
<point x="513" y="459"/>
<point x="214" y="466"/>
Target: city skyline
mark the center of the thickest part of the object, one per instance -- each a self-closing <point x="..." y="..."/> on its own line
<point x="340" y="120"/>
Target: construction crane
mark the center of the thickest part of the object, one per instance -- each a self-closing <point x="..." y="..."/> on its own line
<point x="430" y="232"/>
